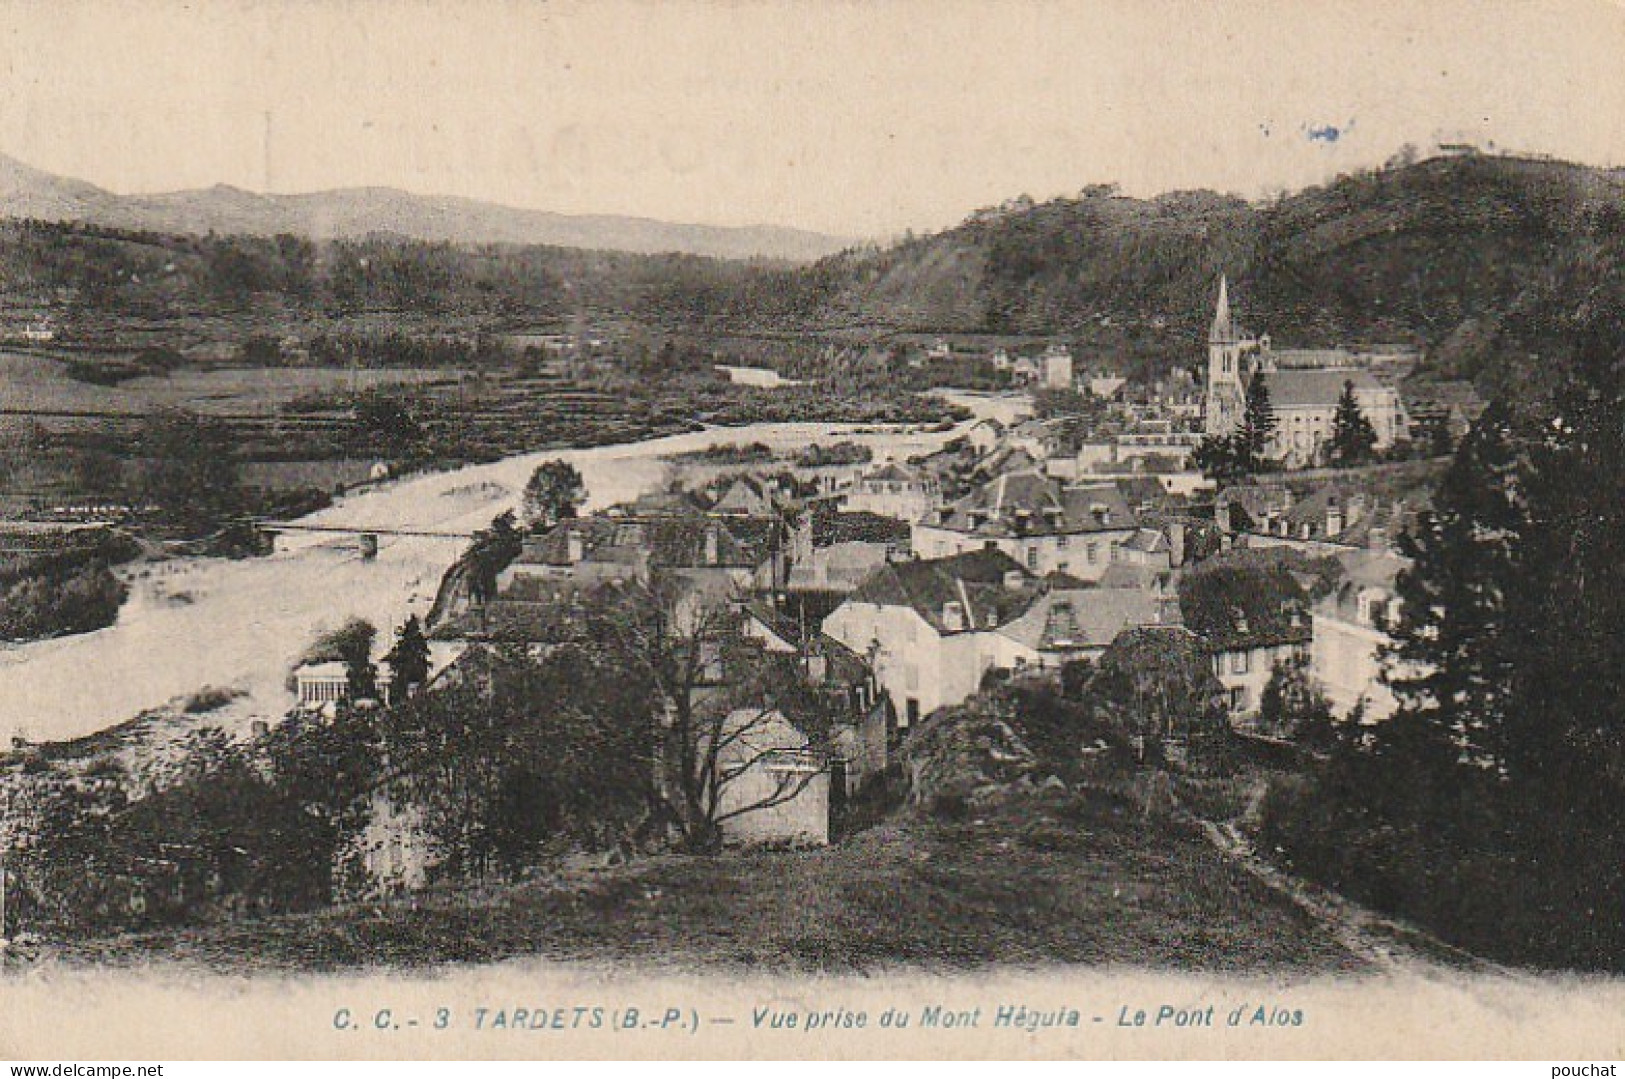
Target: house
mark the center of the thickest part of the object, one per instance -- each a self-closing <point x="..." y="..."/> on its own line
<point x="317" y="684"/>
<point x="1025" y="370"/>
<point x="1328" y="520"/>
<point x="984" y="435"/>
<point x="745" y="552"/>
<point x="748" y="496"/>
<point x="1057" y="364"/>
<point x="1105" y="387"/>
<point x="1152" y="548"/>
<point x="924" y="626"/>
<point x="1066" y="624"/>
<point x="1351" y="626"/>
<point x="773" y="784"/>
<point x="1042" y="522"/>
<point x="1441" y="413"/>
<point x="894" y="490"/>
<point x="1250" y="618"/>
<point x="860" y="738"/>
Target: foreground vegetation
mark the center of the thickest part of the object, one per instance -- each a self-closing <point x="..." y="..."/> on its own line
<point x="1040" y="879"/>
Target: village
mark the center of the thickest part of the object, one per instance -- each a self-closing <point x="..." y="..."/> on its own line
<point x="876" y="594"/>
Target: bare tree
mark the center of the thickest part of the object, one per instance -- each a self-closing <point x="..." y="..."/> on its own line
<point x="724" y="697"/>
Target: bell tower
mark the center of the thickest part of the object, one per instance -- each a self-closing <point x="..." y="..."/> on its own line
<point x="1226" y="389"/>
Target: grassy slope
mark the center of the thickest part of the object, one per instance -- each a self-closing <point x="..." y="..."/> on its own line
<point x="1049" y="879"/>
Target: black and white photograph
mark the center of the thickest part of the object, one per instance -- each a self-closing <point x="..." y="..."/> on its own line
<point x="759" y="528"/>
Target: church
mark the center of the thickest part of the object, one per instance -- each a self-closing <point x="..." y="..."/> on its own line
<point x="1304" y="387"/>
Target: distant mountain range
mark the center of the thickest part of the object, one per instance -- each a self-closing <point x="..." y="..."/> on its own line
<point x="27" y="192"/>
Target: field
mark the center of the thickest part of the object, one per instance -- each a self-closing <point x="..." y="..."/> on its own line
<point x="1048" y="879"/>
<point x="42" y="383"/>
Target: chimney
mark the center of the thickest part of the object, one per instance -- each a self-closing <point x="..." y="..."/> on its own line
<point x="801" y="540"/>
<point x="573" y="551"/>
<point x="711" y="545"/>
<point x="1222" y="516"/>
<point x="953" y="616"/>
<point x="1176" y="544"/>
<point x="1334" y="517"/>
<point x="1377" y="538"/>
<point x="1014" y="579"/>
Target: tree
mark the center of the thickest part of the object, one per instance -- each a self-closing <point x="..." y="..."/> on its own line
<point x="489" y="553"/>
<point x="1291" y="704"/>
<point x="718" y="690"/>
<point x="386" y="424"/>
<point x="1219" y="459"/>
<point x="1157" y="683"/>
<point x="1252" y="439"/>
<point x="1456" y="644"/>
<point x="408" y="660"/>
<point x="554" y="493"/>
<point x="1353" y="440"/>
<point x="528" y="754"/>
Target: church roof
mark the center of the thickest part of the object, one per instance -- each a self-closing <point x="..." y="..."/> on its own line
<point x="1223" y="329"/>
<point x="1316" y="387"/>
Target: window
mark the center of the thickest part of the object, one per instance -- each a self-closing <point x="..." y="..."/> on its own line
<point x="1032" y="557"/>
<point x="1238" y="663"/>
<point x="1060" y="541"/>
<point x="912" y="711"/>
<point x="1238" y="699"/>
<point x="1094" y="553"/>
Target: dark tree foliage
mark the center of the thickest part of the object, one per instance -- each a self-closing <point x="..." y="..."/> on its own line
<point x="408" y="659"/>
<point x="489" y="553"/>
<point x="555" y="492"/>
<point x="1353" y="440"/>
<point x="535" y="755"/>
<point x="1489" y="807"/>
<point x="1252" y="438"/>
<point x="1157" y="684"/>
<point x="1456" y="641"/>
<point x="1219" y="458"/>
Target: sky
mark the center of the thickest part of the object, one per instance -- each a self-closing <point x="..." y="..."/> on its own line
<point x="858" y="119"/>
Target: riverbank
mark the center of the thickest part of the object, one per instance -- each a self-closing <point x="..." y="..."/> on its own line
<point x="239" y="624"/>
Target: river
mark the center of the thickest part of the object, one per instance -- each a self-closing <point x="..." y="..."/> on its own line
<point x="241" y="624"/>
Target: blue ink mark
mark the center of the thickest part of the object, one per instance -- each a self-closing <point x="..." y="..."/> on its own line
<point x="1325" y="134"/>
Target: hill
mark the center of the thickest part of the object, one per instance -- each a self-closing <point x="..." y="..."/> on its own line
<point x="1451" y="254"/>
<point x="348" y="213"/>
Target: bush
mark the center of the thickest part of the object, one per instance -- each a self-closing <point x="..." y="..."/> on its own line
<point x="210" y="698"/>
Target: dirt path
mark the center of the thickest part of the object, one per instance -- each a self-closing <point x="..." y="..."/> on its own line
<point x="1389" y="946"/>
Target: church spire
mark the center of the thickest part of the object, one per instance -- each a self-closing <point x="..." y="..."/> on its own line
<point x="1222" y="329"/>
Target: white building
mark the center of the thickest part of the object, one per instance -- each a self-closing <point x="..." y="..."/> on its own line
<point x="1351" y="630"/>
<point x="317" y="684"/>
<point x="1057" y="361"/>
<point x="773" y="785"/>
<point x="893" y="490"/>
<point x="924" y="626"/>
<point x="931" y="629"/>
<point x="1044" y="523"/>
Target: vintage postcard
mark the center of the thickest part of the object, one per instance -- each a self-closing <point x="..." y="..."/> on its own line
<point x="920" y="528"/>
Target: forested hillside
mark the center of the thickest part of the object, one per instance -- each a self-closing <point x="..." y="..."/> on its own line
<point x="1453" y="254"/>
<point x="1465" y="256"/>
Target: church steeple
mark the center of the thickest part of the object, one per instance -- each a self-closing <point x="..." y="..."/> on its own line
<point x="1223" y="329"/>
